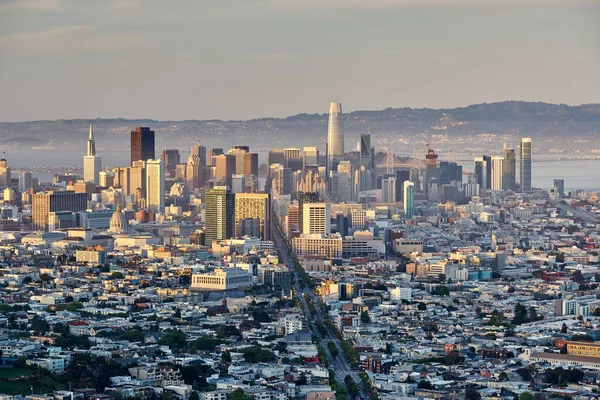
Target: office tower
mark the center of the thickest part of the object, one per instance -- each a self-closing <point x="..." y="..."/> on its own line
<point x="559" y="187"/>
<point x="142" y="144"/>
<point x="316" y="218"/>
<point x="481" y="172"/>
<point x="526" y="165"/>
<point x="5" y="174"/>
<point x="342" y="224"/>
<point x="171" y="158"/>
<point x="310" y="157"/>
<point x="25" y="181"/>
<point x="155" y="186"/>
<point x="291" y="153"/>
<point x="219" y="214"/>
<point x="401" y="177"/>
<point x="225" y="168"/>
<point x="415" y="177"/>
<point x="430" y="168"/>
<point x="388" y="190"/>
<point x="449" y="193"/>
<point x="312" y="182"/>
<point x="509" y="169"/>
<point x="488" y="171"/>
<point x="82" y="186"/>
<point x="471" y="187"/>
<point x="449" y="172"/>
<point x="294" y="164"/>
<point x="335" y="137"/>
<point x="305" y="198"/>
<point x="276" y="156"/>
<point x="92" y="164"/>
<point x="363" y="180"/>
<point x="344" y="182"/>
<point x="131" y="178"/>
<point x="497" y="173"/>
<point x="367" y="160"/>
<point x="49" y="202"/>
<point x="212" y="154"/>
<point x="239" y="153"/>
<point x="194" y="173"/>
<point x="238" y="184"/>
<point x="106" y="179"/>
<point x="409" y="199"/>
<point x="250" y="164"/>
<point x="254" y="206"/>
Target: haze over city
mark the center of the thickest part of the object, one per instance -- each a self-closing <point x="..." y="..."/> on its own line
<point x="236" y="59"/>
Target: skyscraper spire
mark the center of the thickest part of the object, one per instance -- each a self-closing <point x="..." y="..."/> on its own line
<point x="92" y="164"/>
<point x="91" y="145"/>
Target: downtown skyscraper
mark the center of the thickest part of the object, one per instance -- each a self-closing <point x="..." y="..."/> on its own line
<point x="219" y="214"/>
<point x="155" y="185"/>
<point x="142" y="144"/>
<point x="526" y="165"/>
<point x="335" y="137"/>
<point x="92" y="164"/>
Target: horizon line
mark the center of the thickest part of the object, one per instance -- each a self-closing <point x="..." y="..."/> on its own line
<point x="100" y="119"/>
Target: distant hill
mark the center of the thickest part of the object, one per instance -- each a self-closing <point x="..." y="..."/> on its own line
<point x="468" y="128"/>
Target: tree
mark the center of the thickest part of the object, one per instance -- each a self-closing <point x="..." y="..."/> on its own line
<point x="117" y="275"/>
<point x="39" y="325"/>
<point x="194" y="396"/>
<point x="226" y="357"/>
<point x="333" y="350"/>
<point x="423" y="384"/>
<point x="472" y="394"/>
<point x="560" y="258"/>
<point x="453" y="358"/>
<point x="238" y="395"/>
<point x="301" y="380"/>
<point x="564" y="328"/>
<point x="421" y="306"/>
<point x="520" y="314"/>
<point x="525" y="396"/>
<point x="364" y="317"/>
<point x="532" y="315"/>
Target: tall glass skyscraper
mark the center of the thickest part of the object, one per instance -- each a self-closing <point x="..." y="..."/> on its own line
<point x="335" y="137"/>
<point x="509" y="171"/>
<point x="526" y="165"/>
<point x="409" y="199"/>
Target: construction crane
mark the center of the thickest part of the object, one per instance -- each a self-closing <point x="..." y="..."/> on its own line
<point x="429" y="142"/>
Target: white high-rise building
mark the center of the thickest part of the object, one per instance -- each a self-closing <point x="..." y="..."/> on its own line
<point x="92" y="164"/>
<point x="409" y="199"/>
<point x="316" y="218"/>
<point x="238" y="184"/>
<point x="497" y="173"/>
<point x="155" y="186"/>
<point x="526" y="165"/>
<point x="335" y="137"/>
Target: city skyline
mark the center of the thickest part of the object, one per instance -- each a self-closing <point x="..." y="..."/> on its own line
<point x="396" y="60"/>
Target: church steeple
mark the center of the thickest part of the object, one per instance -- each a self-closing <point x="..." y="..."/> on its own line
<point x="91" y="145"/>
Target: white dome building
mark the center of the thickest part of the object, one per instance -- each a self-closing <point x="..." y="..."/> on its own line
<point x="118" y="222"/>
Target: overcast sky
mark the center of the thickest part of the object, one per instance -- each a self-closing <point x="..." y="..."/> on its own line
<point x="239" y="59"/>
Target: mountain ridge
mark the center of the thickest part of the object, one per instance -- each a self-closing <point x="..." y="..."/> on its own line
<point x="581" y="107"/>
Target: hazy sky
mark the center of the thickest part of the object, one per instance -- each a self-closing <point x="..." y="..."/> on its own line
<point x="238" y="59"/>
